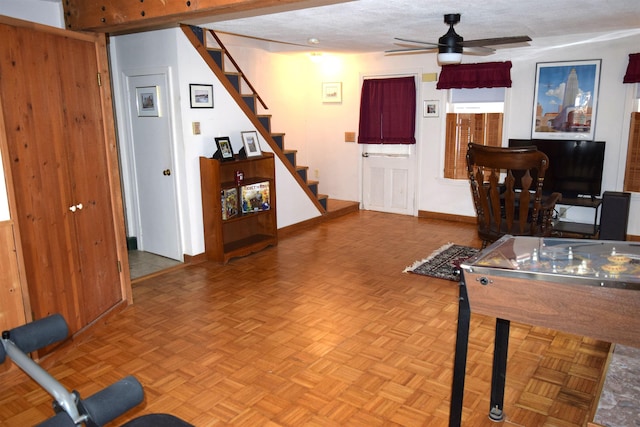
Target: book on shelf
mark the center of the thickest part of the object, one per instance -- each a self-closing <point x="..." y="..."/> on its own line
<point x="229" y="199"/>
<point x="255" y="197"/>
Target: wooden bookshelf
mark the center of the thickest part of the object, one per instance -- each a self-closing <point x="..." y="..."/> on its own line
<point x="245" y="232"/>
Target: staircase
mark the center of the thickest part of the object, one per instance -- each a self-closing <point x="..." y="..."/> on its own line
<point x="236" y="82"/>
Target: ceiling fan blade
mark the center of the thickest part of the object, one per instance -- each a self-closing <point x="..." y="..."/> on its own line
<point x="496" y="41"/>
<point x="408" y="51"/>
<point x="417" y="42"/>
<point x="478" y="51"/>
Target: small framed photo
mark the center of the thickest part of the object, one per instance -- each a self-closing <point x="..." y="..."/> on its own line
<point x="201" y="96"/>
<point x="251" y="143"/>
<point x="147" y="101"/>
<point x="431" y="108"/>
<point x="224" y="147"/>
<point x="332" y="92"/>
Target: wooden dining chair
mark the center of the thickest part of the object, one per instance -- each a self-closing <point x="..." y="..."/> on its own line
<point x="514" y="205"/>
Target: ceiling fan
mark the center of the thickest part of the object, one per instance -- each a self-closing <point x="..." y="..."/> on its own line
<point x="451" y="45"/>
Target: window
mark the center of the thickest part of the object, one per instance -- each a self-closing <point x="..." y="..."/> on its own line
<point x="476" y="116"/>
<point x="388" y="111"/>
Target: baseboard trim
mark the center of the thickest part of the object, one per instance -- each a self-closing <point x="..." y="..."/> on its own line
<point x="447" y="217"/>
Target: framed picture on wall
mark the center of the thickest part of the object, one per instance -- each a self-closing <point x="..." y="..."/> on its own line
<point x="201" y="96"/>
<point x="565" y="100"/>
<point x="431" y="108"/>
<point x="147" y="101"/>
<point x="332" y="92"/>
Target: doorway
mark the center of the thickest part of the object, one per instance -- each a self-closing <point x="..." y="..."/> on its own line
<point x="388" y="168"/>
<point x="152" y="187"/>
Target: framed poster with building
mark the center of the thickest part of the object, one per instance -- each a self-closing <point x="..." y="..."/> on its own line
<point x="565" y="100"/>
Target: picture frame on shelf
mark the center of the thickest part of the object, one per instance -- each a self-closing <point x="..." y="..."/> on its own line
<point x="147" y="101"/>
<point x="251" y="143"/>
<point x="565" y="100"/>
<point x="431" y="108"/>
<point x="225" y="149"/>
<point x="332" y="92"/>
<point x="201" y="95"/>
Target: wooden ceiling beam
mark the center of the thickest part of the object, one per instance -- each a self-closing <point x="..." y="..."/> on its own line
<point x="128" y="16"/>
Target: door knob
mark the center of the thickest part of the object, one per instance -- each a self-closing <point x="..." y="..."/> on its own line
<point x="166" y="172"/>
<point x="72" y="208"/>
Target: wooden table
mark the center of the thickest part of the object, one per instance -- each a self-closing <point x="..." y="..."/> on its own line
<point x="583" y="287"/>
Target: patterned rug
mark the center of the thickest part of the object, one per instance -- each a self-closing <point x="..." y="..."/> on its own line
<point x="443" y="262"/>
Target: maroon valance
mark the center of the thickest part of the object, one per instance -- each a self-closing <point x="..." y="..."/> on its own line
<point x="633" y="69"/>
<point x="471" y="76"/>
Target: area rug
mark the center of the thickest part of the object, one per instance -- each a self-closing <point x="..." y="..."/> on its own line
<point x="443" y="262"/>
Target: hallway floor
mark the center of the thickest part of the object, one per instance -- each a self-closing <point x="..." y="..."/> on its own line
<point x="145" y="263"/>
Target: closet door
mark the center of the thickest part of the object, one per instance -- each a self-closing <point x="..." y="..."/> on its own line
<point x="89" y="200"/>
<point x="55" y="136"/>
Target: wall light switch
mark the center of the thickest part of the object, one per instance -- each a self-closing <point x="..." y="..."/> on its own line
<point x="196" y="128"/>
<point x="349" y="137"/>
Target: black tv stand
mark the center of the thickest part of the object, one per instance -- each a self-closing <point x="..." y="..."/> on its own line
<point x="573" y="229"/>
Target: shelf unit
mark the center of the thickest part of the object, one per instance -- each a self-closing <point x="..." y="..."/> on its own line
<point x="245" y="233"/>
<point x="576" y="228"/>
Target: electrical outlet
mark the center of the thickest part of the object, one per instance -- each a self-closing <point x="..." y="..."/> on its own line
<point x="316" y="173"/>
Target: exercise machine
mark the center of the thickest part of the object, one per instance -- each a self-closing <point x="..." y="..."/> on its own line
<point x="69" y="408"/>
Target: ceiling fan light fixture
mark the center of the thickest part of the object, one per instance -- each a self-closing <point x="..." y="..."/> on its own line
<point x="450" y="45"/>
<point x="449" y="58"/>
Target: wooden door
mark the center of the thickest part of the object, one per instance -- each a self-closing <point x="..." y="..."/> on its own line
<point x="97" y="260"/>
<point x="55" y="137"/>
<point x="388" y="179"/>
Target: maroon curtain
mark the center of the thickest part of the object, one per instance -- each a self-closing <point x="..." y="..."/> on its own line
<point x="471" y="76"/>
<point x="388" y="111"/>
<point x="633" y="69"/>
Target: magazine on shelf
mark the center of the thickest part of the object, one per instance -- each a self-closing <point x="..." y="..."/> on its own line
<point x="256" y="197"/>
<point x="229" y="199"/>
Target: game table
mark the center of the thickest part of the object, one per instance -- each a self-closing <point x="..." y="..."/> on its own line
<point x="579" y="286"/>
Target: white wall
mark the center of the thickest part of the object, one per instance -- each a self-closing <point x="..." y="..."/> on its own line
<point x="43" y="12"/>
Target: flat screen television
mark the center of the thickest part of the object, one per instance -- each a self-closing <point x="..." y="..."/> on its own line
<point x="575" y="166"/>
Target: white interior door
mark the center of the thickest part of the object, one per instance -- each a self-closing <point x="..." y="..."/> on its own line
<point x="388" y="178"/>
<point x="154" y="175"/>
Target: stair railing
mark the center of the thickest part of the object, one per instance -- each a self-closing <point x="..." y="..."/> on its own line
<point x="237" y="68"/>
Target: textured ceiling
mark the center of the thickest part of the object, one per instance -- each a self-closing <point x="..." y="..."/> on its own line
<point x="371" y="25"/>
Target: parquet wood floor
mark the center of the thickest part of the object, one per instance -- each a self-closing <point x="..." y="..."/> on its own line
<point x="323" y="330"/>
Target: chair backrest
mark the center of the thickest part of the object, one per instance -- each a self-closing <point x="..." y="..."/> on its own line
<point x="511" y="206"/>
